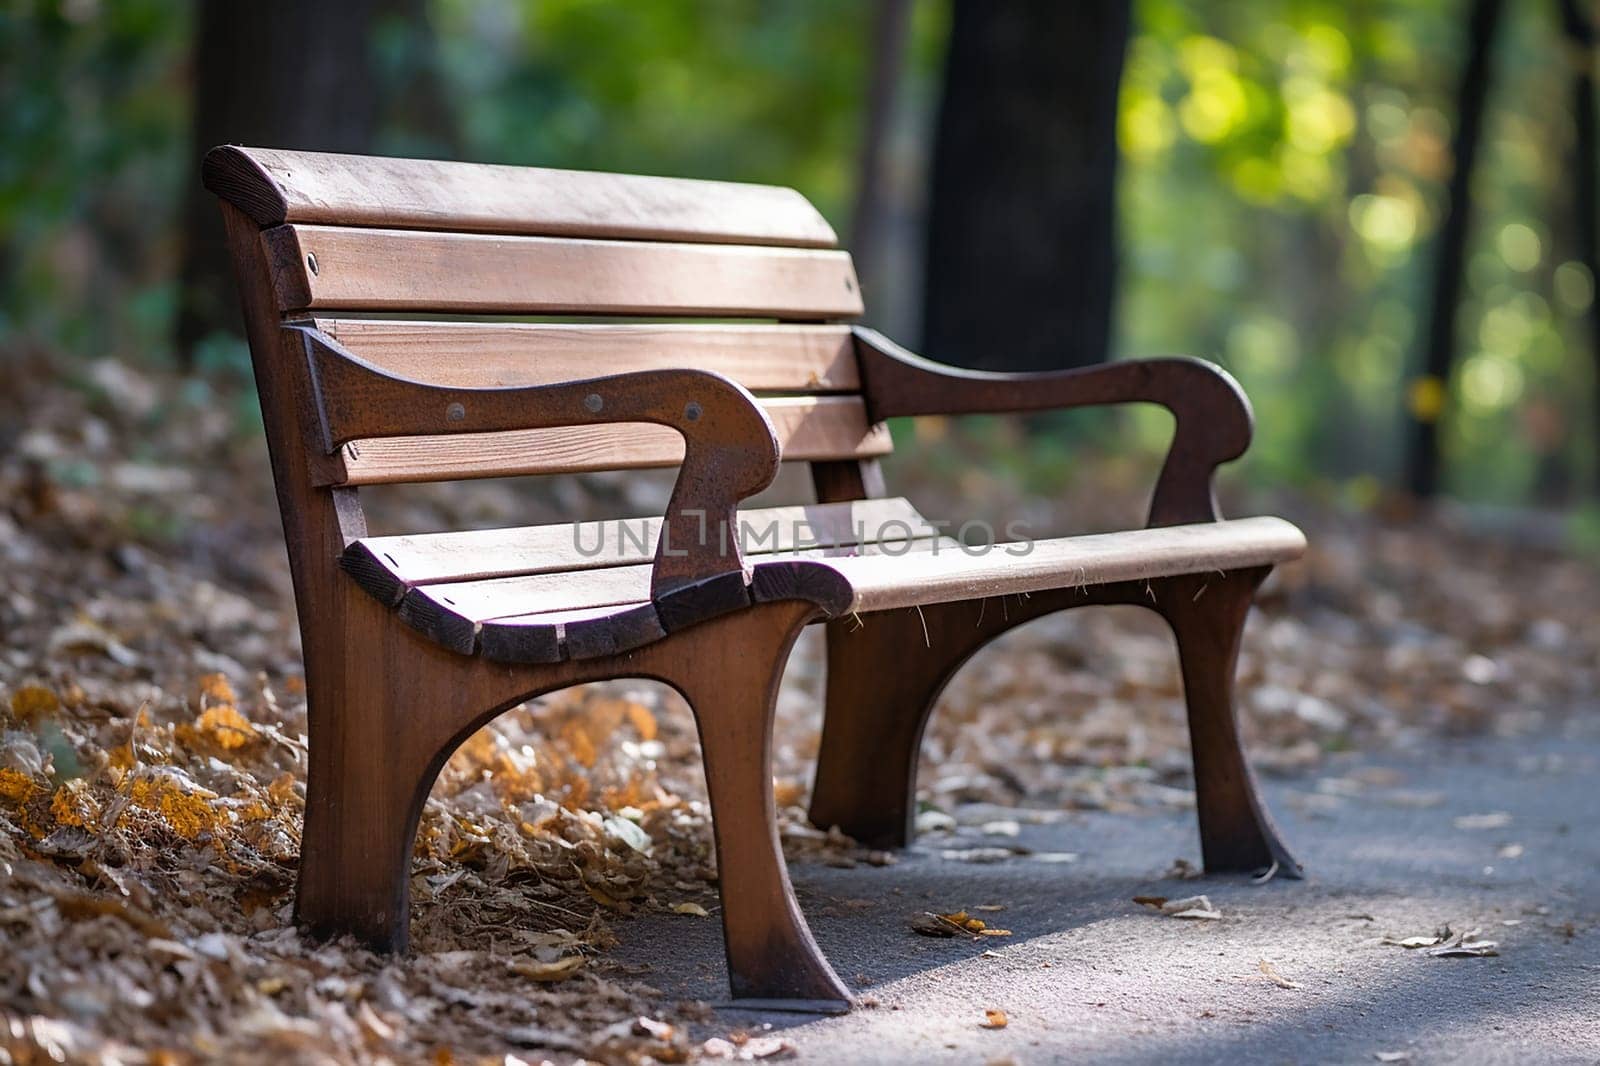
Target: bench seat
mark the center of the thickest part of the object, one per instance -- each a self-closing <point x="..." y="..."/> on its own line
<point x="544" y="594"/>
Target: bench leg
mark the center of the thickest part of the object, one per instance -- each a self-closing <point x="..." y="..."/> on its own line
<point x="1207" y="614"/>
<point x="730" y="675"/>
<point x="883" y="682"/>
<point x="365" y="786"/>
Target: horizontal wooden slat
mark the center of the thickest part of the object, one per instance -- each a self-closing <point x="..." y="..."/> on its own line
<point x="883" y="583"/>
<point x="273" y="187"/>
<point x="584" y="633"/>
<point x="490" y="354"/>
<point x="809" y="428"/>
<point x="449" y="612"/>
<point x="522" y="617"/>
<point x="407" y="270"/>
<point x="528" y="617"/>
<point x="388" y="566"/>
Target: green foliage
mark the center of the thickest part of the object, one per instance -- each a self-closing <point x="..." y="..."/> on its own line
<point x="732" y="89"/>
<point x="92" y="161"/>
<point x="1285" y="171"/>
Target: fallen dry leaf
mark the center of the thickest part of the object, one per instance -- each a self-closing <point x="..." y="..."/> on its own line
<point x="995" y="1019"/>
<point x="1270" y="972"/>
<point x="1465" y="945"/>
<point x="693" y="909"/>
<point x="1190" y="907"/>
<point x="929" y="924"/>
<point x="748" y="1049"/>
<point x="1414" y="941"/>
<point x="548" y="972"/>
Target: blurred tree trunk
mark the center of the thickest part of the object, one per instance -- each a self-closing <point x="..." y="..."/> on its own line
<point x="1426" y="398"/>
<point x="1580" y="33"/>
<point x="1021" y="257"/>
<point x="885" y="62"/>
<point x="290" y="74"/>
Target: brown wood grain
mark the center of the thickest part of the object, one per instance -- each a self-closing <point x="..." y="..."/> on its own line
<point x="776" y="358"/>
<point x="468" y="555"/>
<point x="808" y="428"/>
<point x="919" y="578"/>
<point x="344" y="268"/>
<point x="273" y="186"/>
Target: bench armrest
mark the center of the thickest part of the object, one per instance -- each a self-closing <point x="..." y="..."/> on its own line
<point x="730" y="447"/>
<point x="1214" y="422"/>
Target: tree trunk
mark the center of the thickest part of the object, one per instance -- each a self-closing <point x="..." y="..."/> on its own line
<point x="290" y="74"/>
<point x="1427" y="392"/>
<point x="1021" y="260"/>
<point x="1580" y="33"/>
<point x="885" y="61"/>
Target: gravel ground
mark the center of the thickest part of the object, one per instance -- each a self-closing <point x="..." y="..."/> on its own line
<point x="1492" y="836"/>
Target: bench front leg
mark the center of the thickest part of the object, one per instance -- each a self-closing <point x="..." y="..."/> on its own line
<point x="730" y="670"/>
<point x="1207" y="615"/>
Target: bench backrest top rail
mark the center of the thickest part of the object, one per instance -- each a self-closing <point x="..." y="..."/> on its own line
<point x="273" y="186"/>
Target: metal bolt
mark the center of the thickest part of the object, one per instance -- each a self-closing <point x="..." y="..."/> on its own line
<point x="455" y="412"/>
<point x="692" y="412"/>
<point x="311" y="261"/>
<point x="593" y="402"/>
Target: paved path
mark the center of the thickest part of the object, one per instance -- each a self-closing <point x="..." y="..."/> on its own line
<point x="1088" y="974"/>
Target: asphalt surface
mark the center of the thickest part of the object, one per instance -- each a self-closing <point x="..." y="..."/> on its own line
<point x="1498" y="836"/>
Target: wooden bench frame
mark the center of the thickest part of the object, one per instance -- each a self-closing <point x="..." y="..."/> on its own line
<point x="388" y="702"/>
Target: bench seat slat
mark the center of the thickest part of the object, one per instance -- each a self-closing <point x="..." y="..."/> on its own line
<point x="810" y="428"/>
<point x="470" y="273"/>
<point x="778" y="358"/>
<point x="884" y="576"/>
<point x="918" y="579"/>
<point x="274" y="186"/>
<point x="389" y="565"/>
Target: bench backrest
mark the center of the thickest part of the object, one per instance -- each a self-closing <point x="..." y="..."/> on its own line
<point x="396" y="241"/>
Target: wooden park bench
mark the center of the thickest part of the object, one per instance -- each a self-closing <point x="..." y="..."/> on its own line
<point x="414" y="642"/>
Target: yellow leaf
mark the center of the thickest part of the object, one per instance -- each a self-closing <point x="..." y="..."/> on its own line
<point x="965" y="921"/>
<point x="281" y="791"/>
<point x="643" y="722"/>
<point x="214" y="688"/>
<point x="995" y="1019"/>
<point x="121" y="757"/>
<point x="189" y="815"/>
<point x="788" y="793"/>
<point x="17" y="787"/>
<point x="32" y="702"/>
<point x="74" y="804"/>
<point x="690" y="908"/>
<point x="580" y="744"/>
<point x="225" y="726"/>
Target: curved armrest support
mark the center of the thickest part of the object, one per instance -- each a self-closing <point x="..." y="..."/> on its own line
<point x="730" y="447"/>
<point x="1214" y="422"/>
